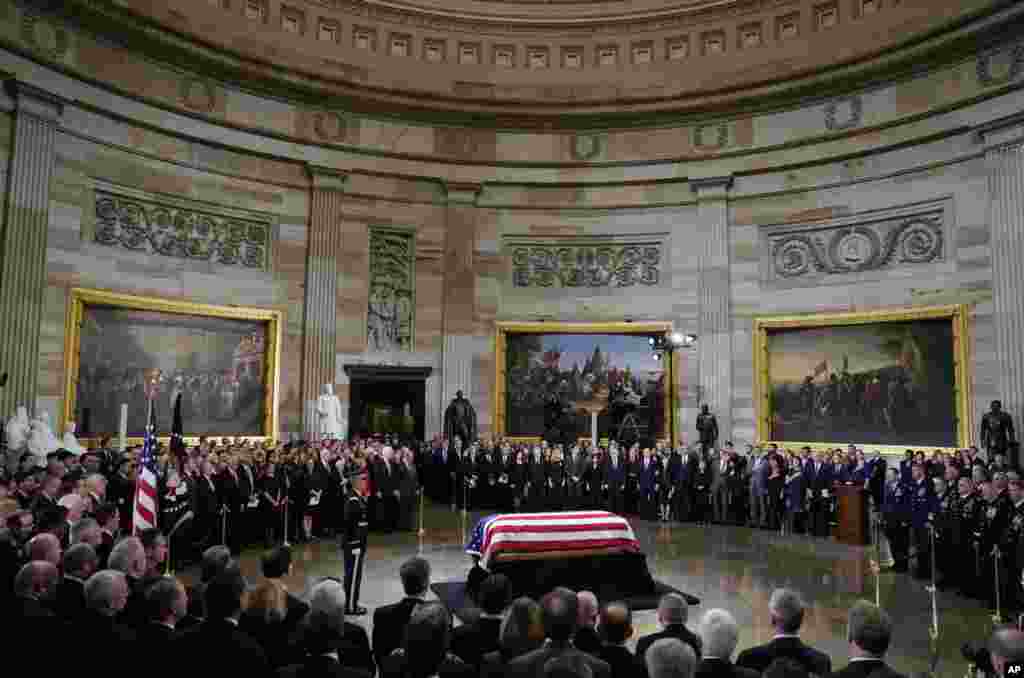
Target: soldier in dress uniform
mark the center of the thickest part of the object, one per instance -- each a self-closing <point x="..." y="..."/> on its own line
<point x="1010" y="563"/>
<point x="354" y="533"/>
<point x="944" y="556"/>
<point x="963" y="516"/>
<point x="923" y="507"/>
<point x="896" y="516"/>
<point x="993" y="517"/>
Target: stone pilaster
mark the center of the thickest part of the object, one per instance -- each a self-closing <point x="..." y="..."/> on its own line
<point x="37" y="119"/>
<point x="319" y="347"/>
<point x="459" y="321"/>
<point x="714" y="343"/>
<point x="1005" y="155"/>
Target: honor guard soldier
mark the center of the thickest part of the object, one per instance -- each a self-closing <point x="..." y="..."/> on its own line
<point x="945" y="557"/>
<point x="895" y="514"/>
<point x="355" y="530"/>
<point x="963" y="516"/>
<point x="992" y="519"/>
<point x="923" y="507"/>
<point x="1013" y="534"/>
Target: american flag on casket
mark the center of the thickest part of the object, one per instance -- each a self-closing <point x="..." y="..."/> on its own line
<point x="537" y="536"/>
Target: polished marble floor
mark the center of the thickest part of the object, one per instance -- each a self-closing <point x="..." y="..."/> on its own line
<point x="729" y="567"/>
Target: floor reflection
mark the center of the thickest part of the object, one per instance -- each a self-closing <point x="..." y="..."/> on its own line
<point x="733" y="568"/>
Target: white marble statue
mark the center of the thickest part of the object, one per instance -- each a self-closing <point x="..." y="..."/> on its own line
<point x="328" y="414"/>
<point x="70" y="441"/>
<point x="17" y="432"/>
<point x="42" y="441"/>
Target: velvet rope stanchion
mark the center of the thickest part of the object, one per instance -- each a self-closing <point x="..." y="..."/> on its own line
<point x="421" y="531"/>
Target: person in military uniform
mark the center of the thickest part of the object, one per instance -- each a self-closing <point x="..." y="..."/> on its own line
<point x="961" y="519"/>
<point x="1010" y="563"/>
<point x="707" y="429"/>
<point x="993" y="517"/>
<point x="923" y="507"/>
<point x="354" y="533"/>
<point x="996" y="430"/>
<point x="895" y="516"/>
<point x="944" y="556"/>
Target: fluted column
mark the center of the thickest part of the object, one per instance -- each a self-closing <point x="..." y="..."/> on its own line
<point x="319" y="346"/>
<point x="459" y="320"/>
<point x="714" y="345"/>
<point x="1005" y="155"/>
<point x="23" y="243"/>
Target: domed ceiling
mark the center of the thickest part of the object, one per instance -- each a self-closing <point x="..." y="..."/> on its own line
<point x="552" y="63"/>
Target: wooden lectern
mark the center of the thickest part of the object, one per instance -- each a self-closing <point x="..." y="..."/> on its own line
<point x="853" y="515"/>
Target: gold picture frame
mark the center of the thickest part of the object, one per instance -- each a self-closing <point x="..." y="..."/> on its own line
<point x="79" y="298"/>
<point x="504" y="328"/>
<point x="957" y="314"/>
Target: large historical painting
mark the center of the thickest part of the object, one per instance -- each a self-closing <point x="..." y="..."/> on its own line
<point x="881" y="383"/>
<point x="223" y="367"/>
<point x="615" y="374"/>
<point x="389" y="317"/>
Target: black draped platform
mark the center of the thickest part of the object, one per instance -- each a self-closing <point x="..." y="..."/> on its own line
<point x="618" y="576"/>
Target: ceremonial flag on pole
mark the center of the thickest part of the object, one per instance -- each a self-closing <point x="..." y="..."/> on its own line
<point x="821" y="368"/>
<point x="145" y="512"/>
<point x="177" y="438"/>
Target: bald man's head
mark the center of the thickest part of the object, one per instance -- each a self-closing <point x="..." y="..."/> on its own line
<point x="1007" y="648"/>
<point x="586" y="611"/>
<point x="45" y="546"/>
<point x="616" y="622"/>
<point x="36" y="579"/>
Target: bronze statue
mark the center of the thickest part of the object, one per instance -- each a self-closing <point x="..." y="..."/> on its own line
<point x="707" y="429"/>
<point x="460" y="420"/>
<point x="997" y="430"/>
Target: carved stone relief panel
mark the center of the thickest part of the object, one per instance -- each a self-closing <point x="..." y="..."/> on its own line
<point x="169" y="227"/>
<point x="585" y="262"/>
<point x="872" y="241"/>
<point x="389" y="318"/>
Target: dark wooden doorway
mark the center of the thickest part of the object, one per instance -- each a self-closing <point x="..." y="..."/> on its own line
<point x="379" y="396"/>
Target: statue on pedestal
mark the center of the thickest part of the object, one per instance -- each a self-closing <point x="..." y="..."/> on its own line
<point x="42" y="441"/>
<point x="17" y="432"/>
<point x="460" y="420"/>
<point x="997" y="433"/>
<point x="70" y="442"/>
<point x="328" y="413"/>
<point x="707" y="429"/>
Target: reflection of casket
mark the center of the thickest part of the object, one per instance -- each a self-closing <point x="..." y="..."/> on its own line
<point x="582" y="550"/>
<point x="548" y="536"/>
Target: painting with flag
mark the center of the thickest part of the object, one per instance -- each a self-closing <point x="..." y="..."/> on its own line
<point x="146" y="496"/>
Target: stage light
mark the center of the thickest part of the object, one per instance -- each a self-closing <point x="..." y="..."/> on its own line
<point x="651" y="340"/>
<point x="689" y="339"/>
<point x="677" y="338"/>
<point x="656" y="356"/>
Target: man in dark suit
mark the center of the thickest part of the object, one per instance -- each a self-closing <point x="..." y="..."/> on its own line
<point x="218" y="636"/>
<point x="586" y="638"/>
<point x="869" y="631"/>
<point x="277" y="564"/>
<point x="787" y="614"/>
<point x="471" y="641"/>
<point x="719" y="635"/>
<point x="79" y="563"/>
<point x="329" y="640"/>
<point x="819" y="483"/>
<point x="106" y="595"/>
<point x="28" y="615"/>
<point x="389" y="621"/>
<point x="559" y="615"/>
<point x="614" y="480"/>
<point x="166" y="605"/>
<point x="424" y="651"/>
<point x="384" y="475"/>
<point x="207" y="508"/>
<point x="617" y="628"/>
<point x="669" y="658"/>
<point x="672" y="614"/>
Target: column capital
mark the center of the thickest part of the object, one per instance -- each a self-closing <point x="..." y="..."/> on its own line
<point x="35" y="101"/>
<point x="326" y="178"/>
<point x="1004" y="131"/>
<point x="462" y="192"/>
<point x="711" y="187"/>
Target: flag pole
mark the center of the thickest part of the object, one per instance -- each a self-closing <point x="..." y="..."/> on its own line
<point x="138" y="472"/>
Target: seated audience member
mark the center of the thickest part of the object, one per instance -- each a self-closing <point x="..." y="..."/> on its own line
<point x="129" y="557"/>
<point x="616" y="628"/>
<point x="154" y="544"/>
<point x="45" y="546"/>
<point x="1006" y="646"/>
<point x="277" y="564"/>
<point x="106" y="595"/>
<point x="522" y="631"/>
<point x="670" y="658"/>
<point x="424" y="652"/>
<point x="326" y="638"/>
<point x="218" y="635"/>
<point x="264" y="620"/>
<point x="166" y="605"/>
<point x="109" y="519"/>
<point x="786" y="610"/>
<point x="79" y="563"/>
<point x="30" y="615"/>
<point x="214" y="562"/>
<point x="567" y="667"/>
<point x="476" y="576"/>
<point x="470" y="642"/>
<point x="672" y="614"/>
<point x="586" y="638"/>
<point x="87" y="531"/>
<point x="559" y="612"/>
<point x="719" y="635"/>
<point x="785" y="668"/>
<point x="389" y="620"/>
<point x="868" y="631"/>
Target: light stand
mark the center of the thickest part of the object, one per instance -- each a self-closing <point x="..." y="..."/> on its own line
<point x="663" y="347"/>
